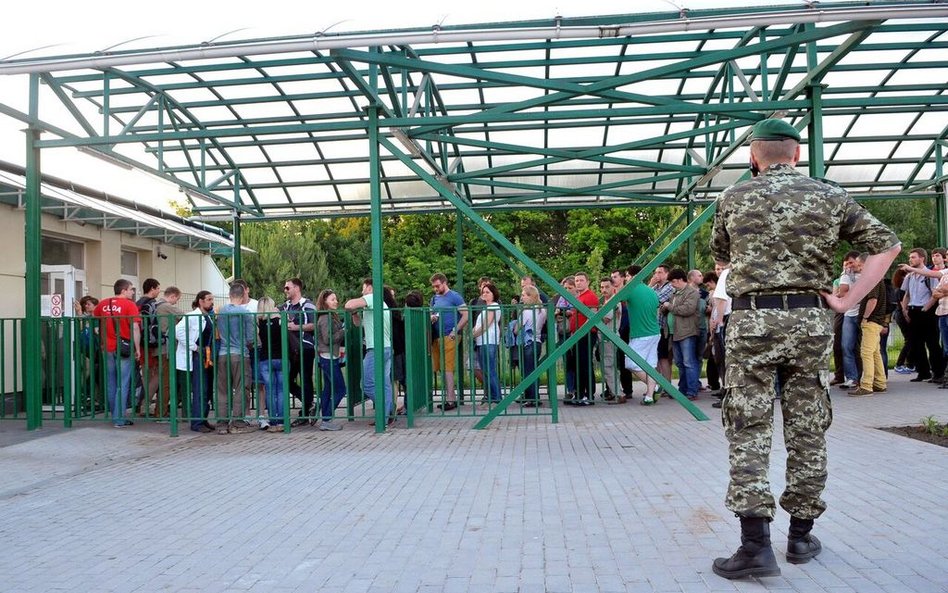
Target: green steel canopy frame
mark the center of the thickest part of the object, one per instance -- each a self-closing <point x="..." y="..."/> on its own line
<point x="599" y="112"/>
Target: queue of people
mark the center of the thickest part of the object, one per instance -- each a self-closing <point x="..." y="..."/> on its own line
<point x="226" y="355"/>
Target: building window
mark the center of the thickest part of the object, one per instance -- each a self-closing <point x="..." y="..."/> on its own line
<point x="59" y="252"/>
<point x="129" y="263"/>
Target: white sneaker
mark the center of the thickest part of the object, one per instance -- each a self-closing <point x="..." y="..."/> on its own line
<point x="847" y="384"/>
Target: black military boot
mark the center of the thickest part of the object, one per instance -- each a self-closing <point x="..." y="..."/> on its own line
<point x="801" y="546"/>
<point x="755" y="557"/>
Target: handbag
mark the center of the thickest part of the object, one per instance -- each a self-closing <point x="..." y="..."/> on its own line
<point x="124" y="347"/>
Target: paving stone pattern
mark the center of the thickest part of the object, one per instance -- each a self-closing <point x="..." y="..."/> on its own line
<point x="612" y="499"/>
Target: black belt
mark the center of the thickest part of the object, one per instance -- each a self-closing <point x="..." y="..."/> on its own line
<point x="776" y="301"/>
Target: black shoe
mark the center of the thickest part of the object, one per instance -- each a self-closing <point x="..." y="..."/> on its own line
<point x="755" y="557"/>
<point x="920" y="379"/>
<point x="717" y="404"/>
<point x="299" y="422"/>
<point x="943" y="386"/>
<point x="938" y="379"/>
<point x="202" y="428"/>
<point x="801" y="546"/>
<point x="448" y="406"/>
<point x="586" y="401"/>
<point x="207" y="424"/>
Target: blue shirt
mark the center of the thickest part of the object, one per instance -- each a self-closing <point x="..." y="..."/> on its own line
<point x="237" y="330"/>
<point x="918" y="288"/>
<point x="446" y="307"/>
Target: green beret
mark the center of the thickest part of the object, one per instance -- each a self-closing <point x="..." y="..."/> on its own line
<point x="774" y="129"/>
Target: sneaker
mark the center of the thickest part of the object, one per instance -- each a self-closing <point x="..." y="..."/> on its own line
<point x="904" y="370"/>
<point x="847" y="384"/>
<point x="329" y="425"/>
<point x="221" y="429"/>
<point x="585" y="402"/>
<point x="879" y="390"/>
<point x="859" y="392"/>
<point x="299" y="422"/>
<point x="717" y="404"/>
<point x="264" y="424"/>
<point x="647" y="400"/>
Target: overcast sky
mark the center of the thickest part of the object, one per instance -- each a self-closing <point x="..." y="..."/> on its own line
<point x="78" y="27"/>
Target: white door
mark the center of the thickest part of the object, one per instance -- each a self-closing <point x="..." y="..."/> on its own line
<point x="64" y="280"/>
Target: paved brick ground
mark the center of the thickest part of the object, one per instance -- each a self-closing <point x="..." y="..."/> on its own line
<point x="612" y="499"/>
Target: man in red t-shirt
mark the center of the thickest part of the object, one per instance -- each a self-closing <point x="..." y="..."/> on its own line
<point x="121" y="326"/>
<point x="581" y="357"/>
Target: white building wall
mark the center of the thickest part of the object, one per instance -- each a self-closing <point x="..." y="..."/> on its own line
<point x="191" y="271"/>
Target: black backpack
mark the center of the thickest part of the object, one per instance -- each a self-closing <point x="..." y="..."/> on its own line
<point x="148" y="308"/>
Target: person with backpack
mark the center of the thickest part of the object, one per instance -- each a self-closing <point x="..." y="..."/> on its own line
<point x="148" y="371"/>
<point x="167" y="314"/>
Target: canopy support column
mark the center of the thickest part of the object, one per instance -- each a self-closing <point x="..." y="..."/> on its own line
<point x="32" y="324"/>
<point x="235" y="261"/>
<point x="814" y="94"/>
<point x="378" y="286"/>
<point x="941" y="201"/>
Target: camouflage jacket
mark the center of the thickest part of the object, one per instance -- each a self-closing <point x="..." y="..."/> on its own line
<point x="780" y="230"/>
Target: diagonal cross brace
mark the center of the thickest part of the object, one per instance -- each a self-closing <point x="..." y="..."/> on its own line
<point x="594" y="319"/>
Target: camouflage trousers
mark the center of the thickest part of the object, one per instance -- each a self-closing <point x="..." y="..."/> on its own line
<point x="769" y="350"/>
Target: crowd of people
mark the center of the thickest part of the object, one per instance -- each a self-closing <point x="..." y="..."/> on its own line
<point x="225" y="354"/>
<point x="915" y="299"/>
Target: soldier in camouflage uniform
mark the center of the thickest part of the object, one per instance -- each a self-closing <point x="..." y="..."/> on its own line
<point x="779" y="231"/>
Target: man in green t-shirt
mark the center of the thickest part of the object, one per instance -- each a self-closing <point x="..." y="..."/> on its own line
<point x="644" y="332"/>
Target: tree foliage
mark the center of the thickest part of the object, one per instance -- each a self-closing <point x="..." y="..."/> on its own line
<point x="337" y="253"/>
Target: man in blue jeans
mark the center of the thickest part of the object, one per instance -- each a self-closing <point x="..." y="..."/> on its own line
<point x="852" y="363"/>
<point x="683" y="307"/>
<point x="365" y="302"/>
<point x="121" y="327"/>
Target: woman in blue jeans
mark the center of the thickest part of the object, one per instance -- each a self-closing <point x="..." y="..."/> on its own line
<point x="330" y="337"/>
<point x="487" y="337"/>
<point x="270" y="360"/>
<point x="529" y="330"/>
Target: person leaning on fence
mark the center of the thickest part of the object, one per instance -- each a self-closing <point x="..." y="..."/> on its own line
<point x="780" y="326"/>
<point x="194" y="358"/>
<point x="529" y="329"/>
<point x="330" y="339"/>
<point x="121" y="326"/>
<point x="238" y="334"/>
<point x="270" y="360"/>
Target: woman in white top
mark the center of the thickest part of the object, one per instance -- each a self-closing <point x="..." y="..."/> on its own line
<point x="529" y="330"/>
<point x="487" y="337"/>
